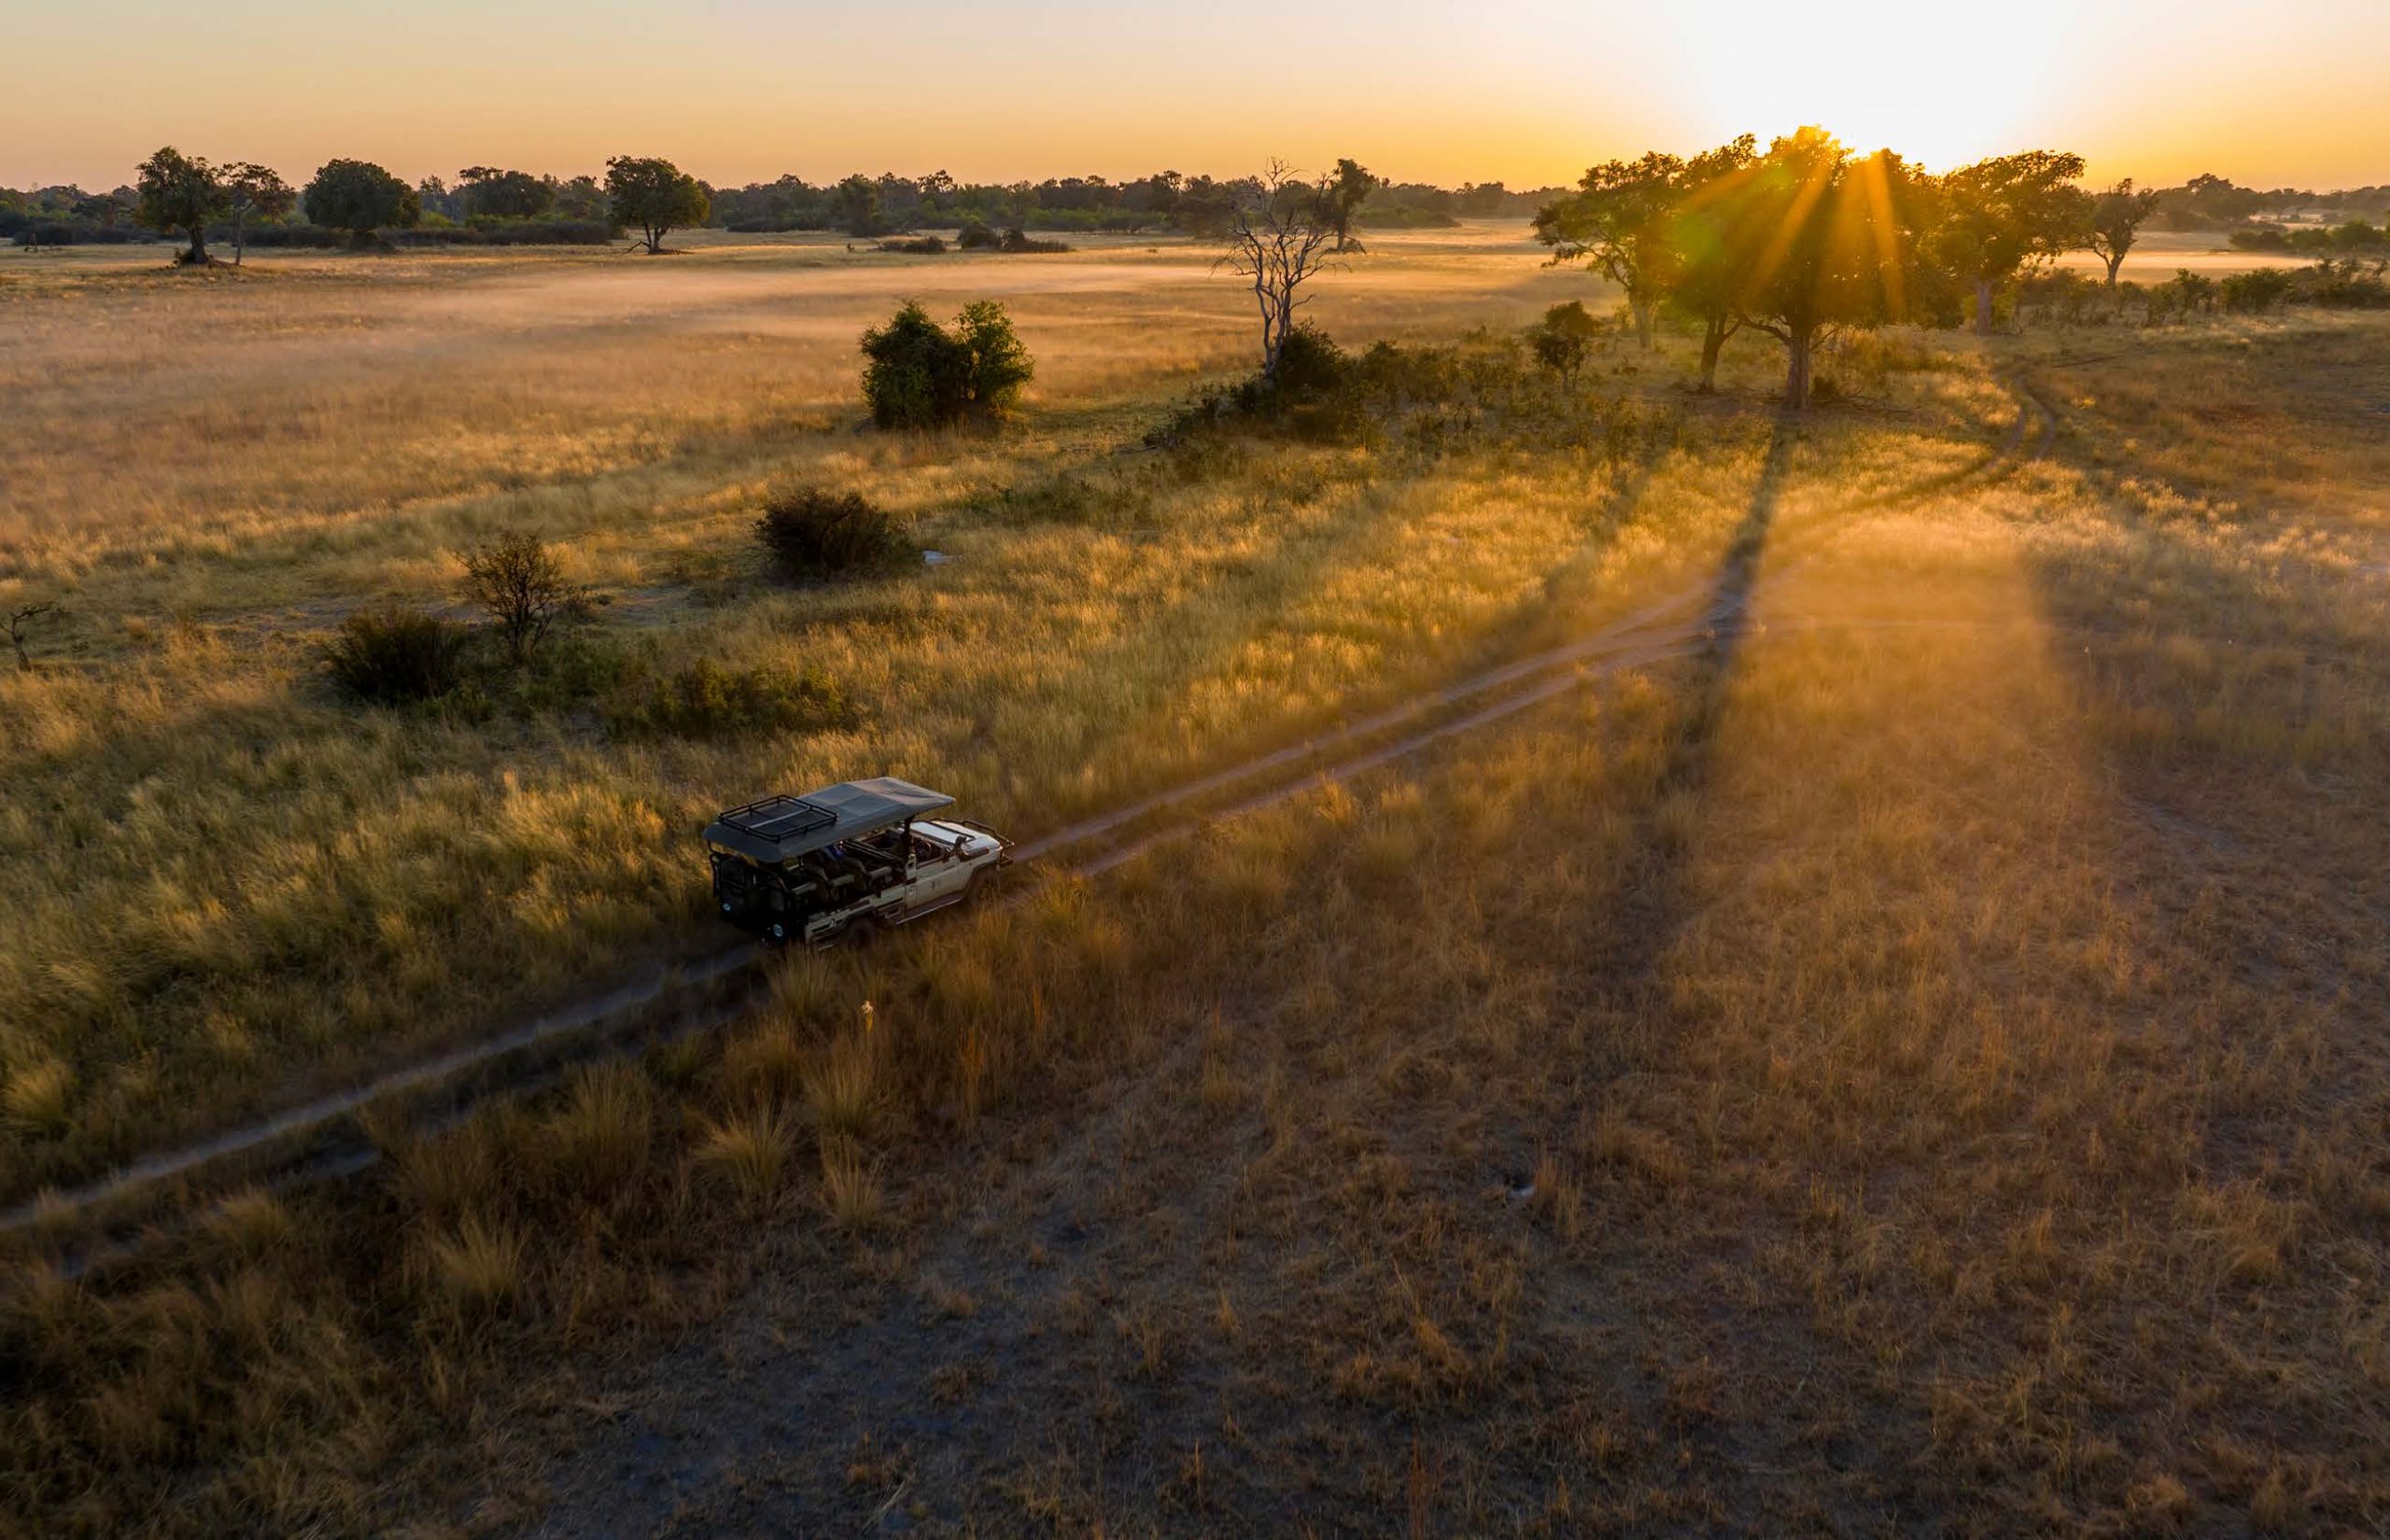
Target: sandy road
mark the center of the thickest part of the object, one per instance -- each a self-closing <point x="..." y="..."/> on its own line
<point x="1676" y="626"/>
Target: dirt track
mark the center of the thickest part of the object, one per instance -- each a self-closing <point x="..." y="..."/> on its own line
<point x="1672" y="626"/>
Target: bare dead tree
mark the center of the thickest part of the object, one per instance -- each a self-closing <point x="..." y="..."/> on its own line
<point x="17" y="623"/>
<point x="1280" y="234"/>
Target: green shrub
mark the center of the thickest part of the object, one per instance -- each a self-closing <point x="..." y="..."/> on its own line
<point x="918" y="375"/>
<point x="1563" y="338"/>
<point x="975" y="236"/>
<point x="1308" y="363"/>
<point x="392" y="654"/>
<point x="999" y="366"/>
<point x="1022" y="242"/>
<point x="2349" y="285"/>
<point x="708" y="700"/>
<point x="915" y="376"/>
<point x="812" y="536"/>
<point x="2256" y="292"/>
<point x="919" y="245"/>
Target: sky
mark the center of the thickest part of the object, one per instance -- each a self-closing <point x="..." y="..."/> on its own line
<point x="2290" y="93"/>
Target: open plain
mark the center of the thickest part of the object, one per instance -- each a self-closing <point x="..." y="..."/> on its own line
<point x="1894" y="1037"/>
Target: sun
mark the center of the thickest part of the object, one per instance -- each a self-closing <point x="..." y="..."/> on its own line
<point x="1941" y="84"/>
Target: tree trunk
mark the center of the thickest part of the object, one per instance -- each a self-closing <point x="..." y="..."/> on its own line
<point x="1798" y="368"/>
<point x="197" y="254"/>
<point x="2115" y="261"/>
<point x="1642" y="310"/>
<point x="1713" y="337"/>
<point x="1983" y="307"/>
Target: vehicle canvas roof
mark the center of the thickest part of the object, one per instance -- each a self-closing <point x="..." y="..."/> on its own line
<point x="778" y="829"/>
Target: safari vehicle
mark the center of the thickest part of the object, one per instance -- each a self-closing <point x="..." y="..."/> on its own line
<point x="859" y="854"/>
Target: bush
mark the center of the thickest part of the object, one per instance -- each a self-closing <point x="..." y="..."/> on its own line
<point x="2349" y="285"/>
<point x="2256" y="292"/>
<point x="706" y="699"/>
<point x="1018" y="239"/>
<point x="1309" y="362"/>
<point x="918" y="375"/>
<point x="517" y="579"/>
<point x="392" y="654"/>
<point x="915" y="374"/>
<point x="975" y="236"/>
<point x="999" y="366"/>
<point x="919" y="246"/>
<point x="1563" y="338"/>
<point x="812" y="536"/>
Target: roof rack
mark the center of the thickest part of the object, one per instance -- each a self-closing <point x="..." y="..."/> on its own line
<point x="780" y="828"/>
<point x="779" y="818"/>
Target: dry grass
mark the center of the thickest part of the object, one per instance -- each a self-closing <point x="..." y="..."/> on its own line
<point x="224" y="879"/>
<point x="1919" y="1065"/>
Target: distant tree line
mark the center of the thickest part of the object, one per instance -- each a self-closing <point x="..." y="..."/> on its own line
<point x="487" y="205"/>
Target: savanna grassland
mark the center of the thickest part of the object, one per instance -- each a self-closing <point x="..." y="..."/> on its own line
<point x="1901" y="1049"/>
<point x="226" y="881"/>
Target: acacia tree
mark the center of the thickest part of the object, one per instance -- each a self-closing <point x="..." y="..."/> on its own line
<point x="1822" y="244"/>
<point x="2116" y="216"/>
<point x="653" y="196"/>
<point x="360" y="197"/>
<point x="1346" y="193"/>
<point x="2002" y="215"/>
<point x="182" y="193"/>
<point x="254" y="193"/>
<point x="1280" y="234"/>
<point x="1616" y="222"/>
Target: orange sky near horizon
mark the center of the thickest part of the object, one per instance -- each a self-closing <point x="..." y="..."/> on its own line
<point x="2291" y="93"/>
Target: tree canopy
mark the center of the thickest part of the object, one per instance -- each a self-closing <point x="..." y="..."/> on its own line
<point x="360" y="197"/>
<point x="254" y="193"/>
<point x="1820" y="242"/>
<point x="505" y="194"/>
<point x="2000" y="215"/>
<point x="182" y="193"/>
<point x="654" y="197"/>
<point x="2116" y="217"/>
<point x="1349" y="189"/>
<point x="1616" y="221"/>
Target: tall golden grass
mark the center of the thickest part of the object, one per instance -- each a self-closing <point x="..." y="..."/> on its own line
<point x="1918" y="1063"/>
<point x="225" y="883"/>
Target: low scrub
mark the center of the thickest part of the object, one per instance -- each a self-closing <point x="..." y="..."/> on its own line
<point x="812" y="536"/>
<point x="391" y="655"/>
<point x="919" y="245"/>
<point x="706" y="699"/>
<point x="1021" y="242"/>
<point x="525" y="232"/>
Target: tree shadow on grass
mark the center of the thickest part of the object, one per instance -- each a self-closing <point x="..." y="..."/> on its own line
<point x="1624" y="954"/>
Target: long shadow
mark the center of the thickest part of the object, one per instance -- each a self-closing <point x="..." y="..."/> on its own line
<point x="1624" y="954"/>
